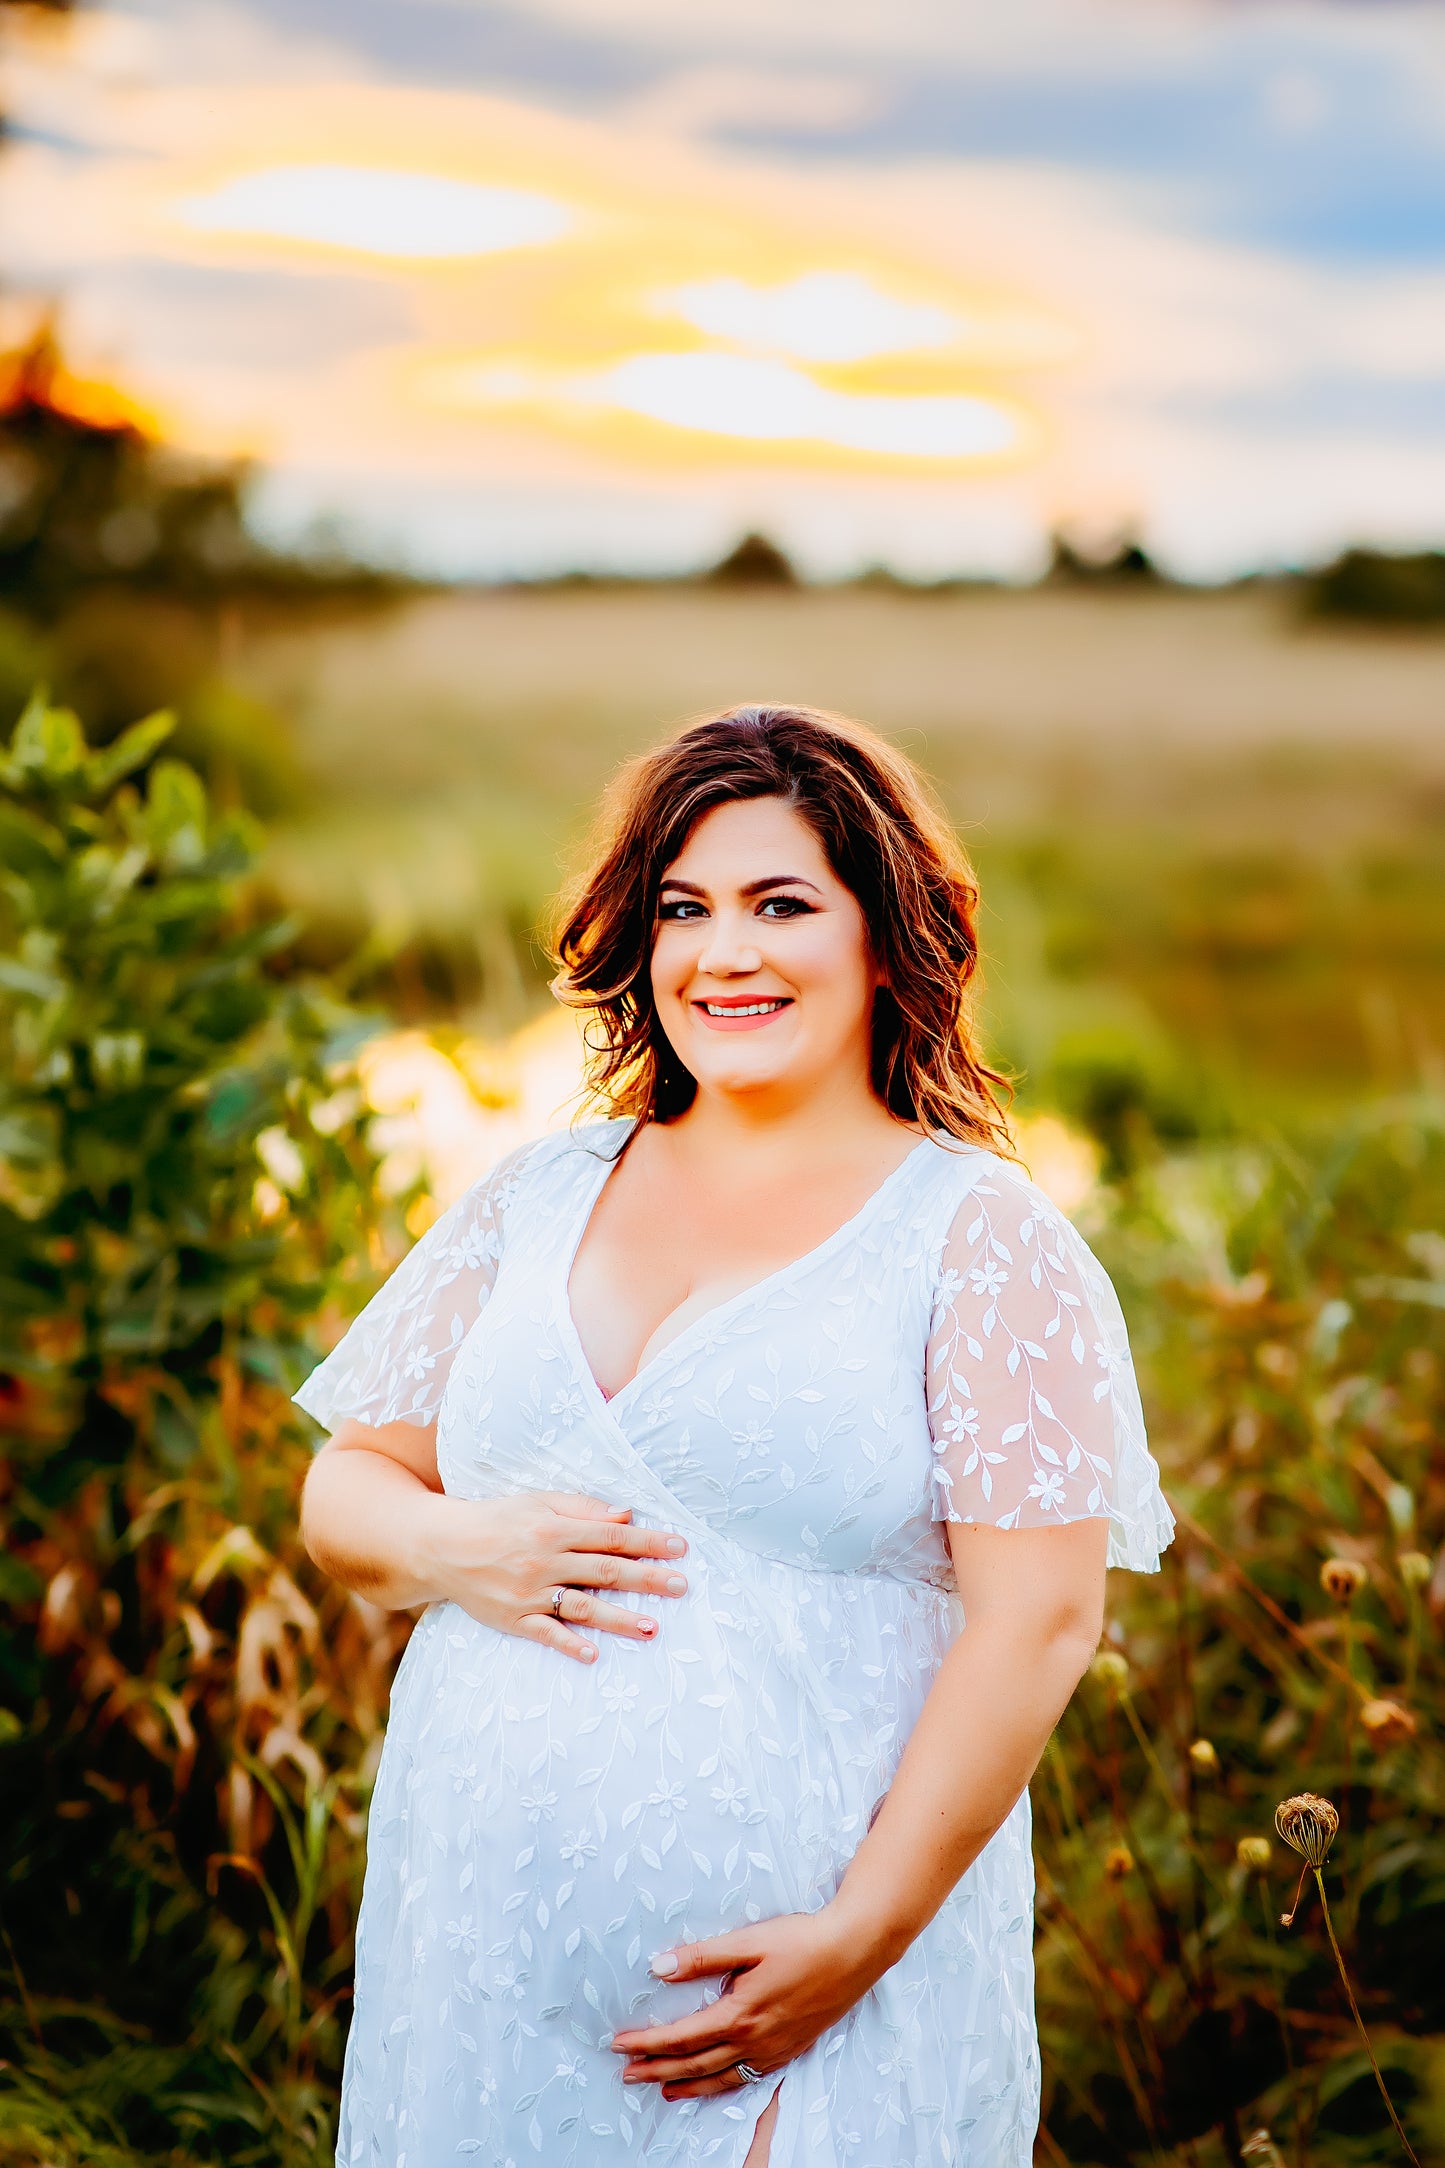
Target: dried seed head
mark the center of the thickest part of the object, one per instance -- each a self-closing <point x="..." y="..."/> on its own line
<point x="1308" y="1825"/>
<point x="1204" y="1758"/>
<point x="1387" y="1722"/>
<point x="1342" y="1579"/>
<point x="1254" y="1853"/>
<point x="1261" y="2148"/>
<point x="1415" y="1568"/>
<point x="1110" y="1669"/>
<point x="1118" y="1861"/>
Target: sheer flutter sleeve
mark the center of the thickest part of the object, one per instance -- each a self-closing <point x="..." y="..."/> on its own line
<point x="393" y="1362"/>
<point x="1033" y="1404"/>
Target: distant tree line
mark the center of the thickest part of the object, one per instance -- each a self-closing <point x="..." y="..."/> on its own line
<point x="123" y="564"/>
<point x="86" y="500"/>
<point x="1405" y="589"/>
<point x="1379" y="586"/>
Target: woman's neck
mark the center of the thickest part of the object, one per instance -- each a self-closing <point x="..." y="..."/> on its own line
<point x="820" y="1128"/>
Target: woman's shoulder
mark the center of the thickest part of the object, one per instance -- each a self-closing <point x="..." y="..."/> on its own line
<point x="987" y="1186"/>
<point x="561" y="1151"/>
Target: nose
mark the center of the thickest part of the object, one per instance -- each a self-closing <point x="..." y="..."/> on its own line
<point x="731" y="949"/>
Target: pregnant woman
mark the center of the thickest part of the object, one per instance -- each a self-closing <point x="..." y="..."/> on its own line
<point x="757" y="1453"/>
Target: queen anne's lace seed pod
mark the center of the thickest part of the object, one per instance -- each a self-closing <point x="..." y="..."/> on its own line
<point x="1309" y="1825"/>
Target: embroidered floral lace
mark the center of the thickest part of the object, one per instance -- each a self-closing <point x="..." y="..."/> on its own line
<point x="538" y="1831"/>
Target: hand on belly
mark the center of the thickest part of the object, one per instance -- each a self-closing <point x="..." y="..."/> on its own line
<point x="790" y="1979"/>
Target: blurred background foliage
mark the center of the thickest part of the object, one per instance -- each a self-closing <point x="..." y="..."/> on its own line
<point x="1286" y="1301"/>
<point x="185" y="1191"/>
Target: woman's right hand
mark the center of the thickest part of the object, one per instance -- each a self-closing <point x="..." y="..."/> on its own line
<point x="375" y="1517"/>
<point x="502" y="1560"/>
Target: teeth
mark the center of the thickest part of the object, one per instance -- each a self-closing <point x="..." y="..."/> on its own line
<point x="751" y="1008"/>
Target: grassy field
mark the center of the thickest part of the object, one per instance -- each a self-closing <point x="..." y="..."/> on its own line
<point x="1212" y="835"/>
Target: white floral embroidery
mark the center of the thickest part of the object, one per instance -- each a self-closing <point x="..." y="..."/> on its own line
<point x="1032" y="1403"/>
<point x="538" y="1831"/>
<point x="393" y="1345"/>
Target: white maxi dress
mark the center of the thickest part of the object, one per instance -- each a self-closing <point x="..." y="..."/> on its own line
<point x="539" y="1829"/>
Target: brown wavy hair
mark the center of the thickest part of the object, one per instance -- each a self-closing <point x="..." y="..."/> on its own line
<point x="887" y="841"/>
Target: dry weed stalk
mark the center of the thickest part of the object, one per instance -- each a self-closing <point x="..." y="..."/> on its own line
<point x="1309" y="1826"/>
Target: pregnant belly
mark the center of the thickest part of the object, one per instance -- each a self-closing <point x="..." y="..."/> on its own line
<point x="565" y="1824"/>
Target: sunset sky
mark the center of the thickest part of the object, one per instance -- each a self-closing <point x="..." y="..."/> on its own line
<point x="512" y="288"/>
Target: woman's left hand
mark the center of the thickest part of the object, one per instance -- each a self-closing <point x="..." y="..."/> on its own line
<point x="791" y="1978"/>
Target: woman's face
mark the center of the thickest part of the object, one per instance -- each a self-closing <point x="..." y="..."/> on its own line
<point x="762" y="971"/>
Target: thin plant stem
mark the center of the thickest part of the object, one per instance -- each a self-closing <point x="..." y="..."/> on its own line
<point x="1241" y="1580"/>
<point x="1051" y="2149"/>
<point x="31" y="2017"/>
<point x="1286" y="2037"/>
<point x="1360" y="2023"/>
<point x="1106" y="1990"/>
<point x="1146" y="1748"/>
<point x="1349" y="1649"/>
<point x="1413" y="1607"/>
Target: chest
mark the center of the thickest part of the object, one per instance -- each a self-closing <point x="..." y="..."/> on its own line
<point x="791" y="1415"/>
<point x="659" y="1252"/>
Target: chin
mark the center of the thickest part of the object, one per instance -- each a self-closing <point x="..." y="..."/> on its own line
<point x="742" y="1079"/>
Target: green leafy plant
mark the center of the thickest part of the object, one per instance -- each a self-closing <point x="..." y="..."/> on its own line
<point x="187" y="1207"/>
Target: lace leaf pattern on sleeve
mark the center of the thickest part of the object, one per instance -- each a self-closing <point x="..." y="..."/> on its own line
<point x="1033" y="1407"/>
<point x="394" y="1360"/>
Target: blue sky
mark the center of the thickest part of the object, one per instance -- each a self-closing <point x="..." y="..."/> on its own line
<point x="1218" y="232"/>
<point x="1312" y="127"/>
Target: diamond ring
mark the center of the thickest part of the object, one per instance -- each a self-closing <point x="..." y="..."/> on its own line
<point x="747" y="2073"/>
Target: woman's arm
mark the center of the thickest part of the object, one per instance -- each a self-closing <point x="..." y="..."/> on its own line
<point x="1033" y="1599"/>
<point x="374" y="1516"/>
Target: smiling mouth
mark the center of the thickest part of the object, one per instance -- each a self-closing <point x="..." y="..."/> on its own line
<point x="743" y="1008"/>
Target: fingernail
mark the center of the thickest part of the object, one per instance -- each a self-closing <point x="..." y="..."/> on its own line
<point x="664" y="1965"/>
<point x="589" y="1654"/>
<point x="676" y="1585"/>
<point x="647" y="1625"/>
<point x="674" y="1547"/>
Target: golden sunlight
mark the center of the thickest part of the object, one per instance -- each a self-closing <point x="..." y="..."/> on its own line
<point x="821" y="316"/>
<point x="379" y="211"/>
<point x="447" y="1109"/>
<point x="742" y="396"/>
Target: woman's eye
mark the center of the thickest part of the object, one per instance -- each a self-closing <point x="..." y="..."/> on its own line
<point x="784" y="907"/>
<point x="679" y="908"/>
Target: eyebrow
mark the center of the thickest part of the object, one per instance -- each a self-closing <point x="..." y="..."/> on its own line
<point x="749" y="888"/>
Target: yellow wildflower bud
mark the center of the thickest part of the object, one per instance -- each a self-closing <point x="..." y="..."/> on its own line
<point x="1204" y="1758"/>
<point x="1110" y="1669"/>
<point x="1342" y="1579"/>
<point x="1118" y="1861"/>
<point x="1253" y="1853"/>
<point x="1387" y="1722"/>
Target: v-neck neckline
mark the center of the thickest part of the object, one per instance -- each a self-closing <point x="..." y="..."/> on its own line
<point x="710" y="1317"/>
